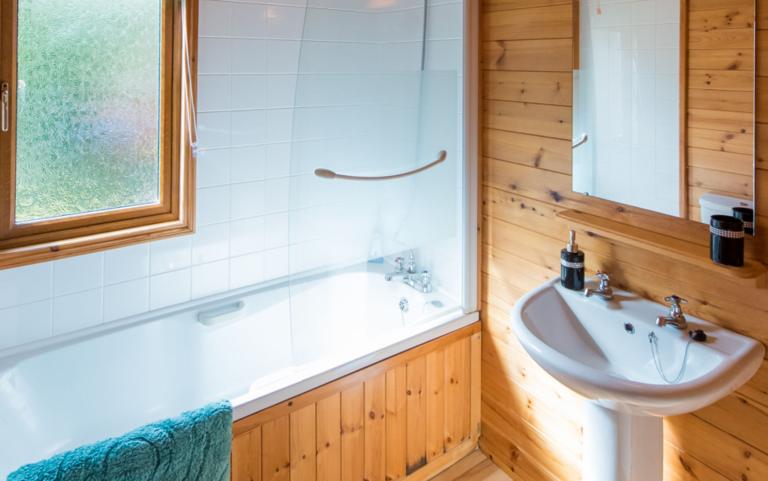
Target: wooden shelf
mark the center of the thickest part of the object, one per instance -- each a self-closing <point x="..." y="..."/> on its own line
<point x="753" y="274"/>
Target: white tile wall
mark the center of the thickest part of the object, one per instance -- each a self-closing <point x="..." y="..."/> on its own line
<point x="260" y="213"/>
<point x="627" y="100"/>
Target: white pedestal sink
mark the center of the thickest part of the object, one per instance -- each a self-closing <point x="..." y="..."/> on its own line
<point x="601" y="349"/>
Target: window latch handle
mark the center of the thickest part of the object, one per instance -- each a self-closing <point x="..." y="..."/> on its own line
<point x="5" y="101"/>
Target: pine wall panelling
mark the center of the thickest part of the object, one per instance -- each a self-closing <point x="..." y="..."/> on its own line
<point x="531" y="424"/>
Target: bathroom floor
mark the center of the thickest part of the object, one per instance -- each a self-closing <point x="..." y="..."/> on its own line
<point x="474" y="467"/>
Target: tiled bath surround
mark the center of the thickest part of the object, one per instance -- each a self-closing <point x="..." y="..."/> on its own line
<point x="260" y="212"/>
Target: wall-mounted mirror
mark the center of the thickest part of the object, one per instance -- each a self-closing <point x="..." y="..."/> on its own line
<point x="664" y="96"/>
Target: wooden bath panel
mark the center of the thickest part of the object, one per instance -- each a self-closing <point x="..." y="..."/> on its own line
<point x="407" y="417"/>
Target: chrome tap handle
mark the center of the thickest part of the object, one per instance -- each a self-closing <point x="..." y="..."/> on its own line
<point x="400" y="262"/>
<point x="675" y="305"/>
<point x="426" y="282"/>
<point x="604" y="278"/>
<point x="426" y="277"/>
<point x="411" y="267"/>
<point x="675" y="299"/>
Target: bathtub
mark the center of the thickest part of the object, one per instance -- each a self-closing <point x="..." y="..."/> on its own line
<point x="255" y="348"/>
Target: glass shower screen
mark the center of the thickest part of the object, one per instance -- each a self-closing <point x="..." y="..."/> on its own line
<point x="377" y="94"/>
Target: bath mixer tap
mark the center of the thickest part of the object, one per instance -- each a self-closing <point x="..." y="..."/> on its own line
<point x="409" y="274"/>
<point x="604" y="290"/>
<point x="675" y="318"/>
<point x="421" y="282"/>
<point x="402" y="270"/>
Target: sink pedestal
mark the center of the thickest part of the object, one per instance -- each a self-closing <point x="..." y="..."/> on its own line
<point x="621" y="447"/>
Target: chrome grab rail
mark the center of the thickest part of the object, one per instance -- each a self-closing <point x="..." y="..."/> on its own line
<point x="329" y="174"/>
<point x="581" y="141"/>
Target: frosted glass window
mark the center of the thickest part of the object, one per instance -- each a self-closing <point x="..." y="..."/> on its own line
<point x="88" y="106"/>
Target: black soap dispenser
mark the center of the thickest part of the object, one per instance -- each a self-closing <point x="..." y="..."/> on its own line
<point x="572" y="265"/>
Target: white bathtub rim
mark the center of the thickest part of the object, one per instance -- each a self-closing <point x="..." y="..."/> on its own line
<point x="45" y="344"/>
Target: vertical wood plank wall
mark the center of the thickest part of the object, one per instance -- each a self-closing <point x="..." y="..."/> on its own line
<point x="721" y="93"/>
<point x="531" y="425"/>
<point x="408" y="417"/>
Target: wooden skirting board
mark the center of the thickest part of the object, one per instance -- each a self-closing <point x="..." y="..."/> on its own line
<point x="407" y="417"/>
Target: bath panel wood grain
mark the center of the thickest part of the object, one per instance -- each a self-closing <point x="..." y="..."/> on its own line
<point x="407" y="417"/>
<point x="303" y="444"/>
<point x="352" y="435"/>
<point x="276" y="450"/>
<point x="416" y="412"/>
<point x="531" y="423"/>
<point x="396" y="423"/>
<point x="247" y="448"/>
<point x="329" y="438"/>
<point x="375" y="428"/>
<point x="435" y="422"/>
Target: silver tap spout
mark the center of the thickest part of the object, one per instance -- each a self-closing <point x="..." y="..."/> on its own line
<point x="675" y="318"/>
<point x="604" y="290"/>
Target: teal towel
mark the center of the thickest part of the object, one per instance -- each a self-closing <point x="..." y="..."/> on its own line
<point x="192" y="447"/>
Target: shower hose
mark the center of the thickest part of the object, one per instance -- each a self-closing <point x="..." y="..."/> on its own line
<point x="654" y="341"/>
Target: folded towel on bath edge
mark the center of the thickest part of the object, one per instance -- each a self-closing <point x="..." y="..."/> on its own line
<point x="192" y="447"/>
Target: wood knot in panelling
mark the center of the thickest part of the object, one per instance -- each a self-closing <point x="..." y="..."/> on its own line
<point x="503" y="55"/>
<point x="537" y="158"/>
<point x="514" y="453"/>
<point x="685" y="465"/>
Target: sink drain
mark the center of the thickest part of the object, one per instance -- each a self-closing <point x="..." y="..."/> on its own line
<point x="629" y="327"/>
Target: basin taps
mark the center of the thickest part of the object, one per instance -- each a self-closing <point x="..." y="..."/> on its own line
<point x="604" y="290"/>
<point x="675" y="318"/>
<point x="403" y="270"/>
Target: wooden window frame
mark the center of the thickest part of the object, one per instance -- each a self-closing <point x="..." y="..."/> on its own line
<point x="43" y="240"/>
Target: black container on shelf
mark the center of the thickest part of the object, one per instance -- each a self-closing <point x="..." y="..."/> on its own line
<point x="746" y="215"/>
<point x="726" y="240"/>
